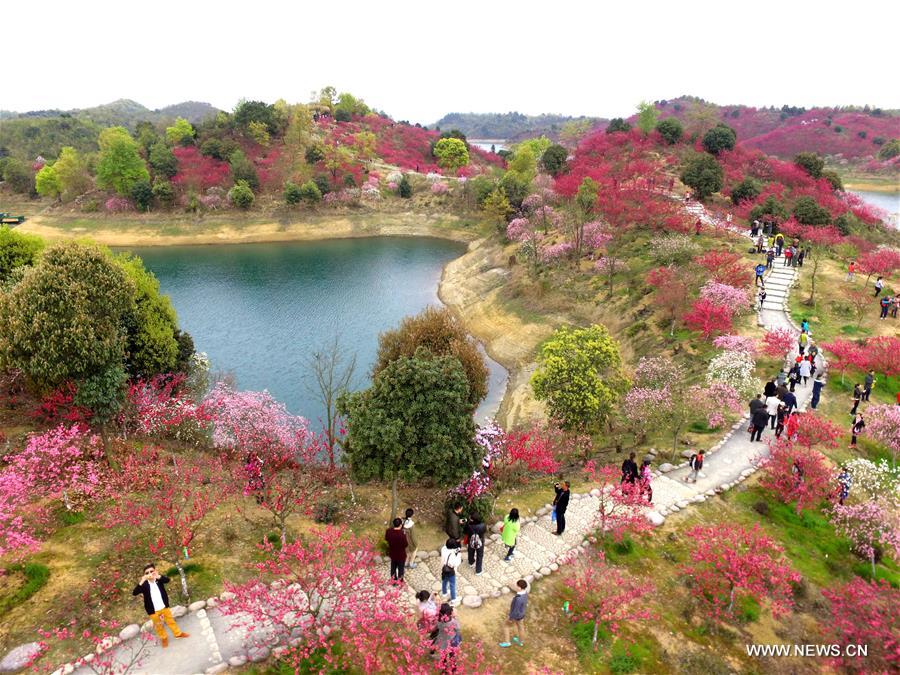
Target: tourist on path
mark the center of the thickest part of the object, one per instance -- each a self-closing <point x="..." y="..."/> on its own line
<point x="805" y="370"/>
<point x="895" y="308"/>
<point x="804" y="326"/>
<point x="818" y="383"/>
<point x="447" y="632"/>
<point x="450" y="561"/>
<point x="885" y="305"/>
<point x="802" y="341"/>
<point x="756" y="404"/>
<point x="779" y="243"/>
<point x="781" y="378"/>
<point x="770" y="258"/>
<point x="397" y="543"/>
<point x="754" y="228"/>
<point x="454" y="524"/>
<point x="758" y="421"/>
<point x="792" y="426"/>
<point x="845" y="480"/>
<point x="769" y="390"/>
<point x="789" y="401"/>
<point x="868" y="383"/>
<point x="788" y="255"/>
<point x="428" y="610"/>
<point x="801" y="254"/>
<point x="696" y="463"/>
<point x="560" y="504"/>
<point x="646" y="479"/>
<point x="851" y="268"/>
<point x="760" y="242"/>
<point x="794" y="376"/>
<point x="509" y="533"/>
<point x="629" y="470"/>
<point x="779" y="424"/>
<point x="156" y="603"/>
<point x="516" y="616"/>
<point x="772" y="405"/>
<point x="879" y="284"/>
<point x="475" y="546"/>
<point x="413" y="546"/>
<point x="760" y="270"/>
<point x="856" y="397"/>
<point x="856" y="428"/>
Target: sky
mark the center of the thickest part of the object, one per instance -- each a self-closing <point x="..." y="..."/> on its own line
<point x="420" y="60"/>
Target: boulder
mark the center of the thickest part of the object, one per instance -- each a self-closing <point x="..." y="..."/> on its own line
<point x="218" y="668"/>
<point x="595" y="492"/>
<point x="237" y="661"/>
<point x="687" y="453"/>
<point x="147" y="626"/>
<point x="107" y="643"/>
<point x="542" y="511"/>
<point x="665" y="467"/>
<point x="530" y="579"/>
<point x="212" y="602"/>
<point x="194" y="606"/>
<point x="226" y="596"/>
<point x="472" y="601"/>
<point x="700" y="498"/>
<point x="653" y="451"/>
<point x="553" y="566"/>
<point x="258" y="654"/>
<point x="496" y="593"/>
<point x="201" y="613"/>
<point x="179" y="611"/>
<point x="682" y="503"/>
<point x="545" y="571"/>
<point x="674" y="508"/>
<point x="19" y="657"/>
<point x="504" y="590"/>
<point x="656" y="518"/>
<point x="130" y="631"/>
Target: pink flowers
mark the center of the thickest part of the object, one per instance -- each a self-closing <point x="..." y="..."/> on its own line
<point x="439" y="188"/>
<point x="118" y="205"/>
<point x="556" y="252"/>
<point x="883" y="425"/>
<point x="736" y="343"/>
<point x="519" y="229"/>
<point x="737" y="300"/>
<point x="867" y="524"/>
<point x="777" y="341"/>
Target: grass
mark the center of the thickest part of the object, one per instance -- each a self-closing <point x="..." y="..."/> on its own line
<point x="618" y="656"/>
<point x="35" y="577"/>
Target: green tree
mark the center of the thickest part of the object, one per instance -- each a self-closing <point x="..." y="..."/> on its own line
<point x="243" y="170"/>
<point x="451" y="154"/>
<point x="414" y="422"/>
<point x="554" y="159"/>
<point x="523" y="164"/>
<point x="259" y="132"/>
<point x="142" y="195"/>
<point x="71" y="169"/>
<point x="180" y="133"/>
<point x="617" y="124"/>
<point x="310" y="193"/>
<point x="703" y="174"/>
<point x="442" y="334"/>
<point x="64" y="319"/>
<point x="146" y="136"/>
<point x="119" y="165"/>
<point x="811" y="163"/>
<point x="150" y="323"/>
<point x="515" y="187"/>
<point x="314" y="153"/>
<point x="647" y="116"/>
<point x="47" y="182"/>
<point x="241" y="195"/>
<point x="17" y="175"/>
<point x="834" y="178"/>
<point x="770" y="207"/>
<point x="670" y="129"/>
<point x="17" y="250"/>
<point x="103" y="393"/>
<point x="496" y="207"/>
<point x="808" y="212"/>
<point x="163" y="192"/>
<point x="163" y="160"/>
<point x="404" y="188"/>
<point x="718" y="139"/>
<point x="746" y="189"/>
<point x="579" y="377"/>
<point x="292" y="194"/>
<point x="255" y="111"/>
<point x="888" y="150"/>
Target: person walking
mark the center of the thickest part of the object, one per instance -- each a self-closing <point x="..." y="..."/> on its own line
<point x="760" y="270"/>
<point x="802" y="341"/>
<point x="818" y="383"/>
<point x="509" y="533"/>
<point x="447" y="634"/>
<point x="758" y="421"/>
<point x="779" y="423"/>
<point x="781" y="378"/>
<point x="779" y="243"/>
<point x="885" y="303"/>
<point x="397" y="544"/>
<point x="772" y="405"/>
<point x="856" y="397"/>
<point x="475" y="546"/>
<point x="792" y="426"/>
<point x="769" y="390"/>
<point x="561" y="504"/>
<point x="895" y="307"/>
<point x="868" y="383"/>
<point x="856" y="429"/>
<point x="453" y="526"/>
<point x="789" y="401"/>
<point x="804" y="326"/>
<point x="646" y="480"/>
<point x="450" y="561"/>
<point x="794" y="376"/>
<point x="412" y="545"/>
<point x="851" y="269"/>
<point x="696" y="463"/>
<point x="762" y="297"/>
<point x="754" y="227"/>
<point x="760" y="242"/>
<point x="428" y="610"/>
<point x="845" y="480"/>
<point x="801" y="254"/>
<point x="879" y="284"/>
<point x="756" y="404"/>
<point x="805" y="370"/>
<point x="788" y="254"/>
<point x="516" y="616"/>
<point x="770" y="258"/>
<point x="629" y="470"/>
<point x="152" y="586"/>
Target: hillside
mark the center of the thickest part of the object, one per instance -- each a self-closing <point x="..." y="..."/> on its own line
<point x="511" y="125"/>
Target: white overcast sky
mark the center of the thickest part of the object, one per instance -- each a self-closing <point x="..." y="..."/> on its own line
<point x="420" y="60"/>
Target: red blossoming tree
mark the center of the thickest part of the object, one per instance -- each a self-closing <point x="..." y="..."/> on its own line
<point x="729" y="562"/>
<point x="777" y="342"/>
<point x="672" y="291"/>
<point x="708" y="318"/>
<point x="882" y="262"/>
<point x="865" y="613"/>
<point x="843" y="355"/>
<point x="622" y="505"/>
<point x="725" y="267"/>
<point x="882" y="354"/>
<point x="797" y="475"/>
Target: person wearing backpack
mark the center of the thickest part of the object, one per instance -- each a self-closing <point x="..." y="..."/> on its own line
<point x="561" y="503"/>
<point x="696" y="463"/>
<point x="450" y="560"/>
<point x="475" y="548"/>
<point x="760" y="270"/>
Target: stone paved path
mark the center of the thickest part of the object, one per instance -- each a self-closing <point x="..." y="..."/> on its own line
<point x="212" y="645"/>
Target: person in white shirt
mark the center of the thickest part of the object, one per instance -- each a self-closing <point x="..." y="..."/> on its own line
<point x="152" y="587"/>
<point x="772" y="405"/>
<point x="450" y="560"/>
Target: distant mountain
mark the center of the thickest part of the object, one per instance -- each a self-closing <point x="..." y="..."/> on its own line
<point x="508" y="126"/>
<point x="123" y="112"/>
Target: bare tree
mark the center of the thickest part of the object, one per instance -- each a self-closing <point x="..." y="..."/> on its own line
<point x="328" y="376"/>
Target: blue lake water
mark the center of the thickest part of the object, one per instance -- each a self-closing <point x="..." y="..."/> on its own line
<point x="260" y="310"/>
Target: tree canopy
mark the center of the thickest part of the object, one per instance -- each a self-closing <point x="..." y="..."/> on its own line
<point x="703" y="174"/>
<point x="120" y="165"/>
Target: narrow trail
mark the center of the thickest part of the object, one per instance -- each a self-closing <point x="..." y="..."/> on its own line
<point x="214" y="645"/>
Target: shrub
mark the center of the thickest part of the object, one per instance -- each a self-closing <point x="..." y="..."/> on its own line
<point x="142" y="195"/>
<point x="811" y="163"/>
<point x="718" y="139"/>
<point x="704" y="175"/>
<point x="314" y="153"/>
<point x="241" y="195"/>
<point x="292" y="193"/>
<point x="310" y="193"/>
<point x="321" y="181"/>
<point x="327" y="512"/>
<point x="405" y="188"/>
<point x="808" y="212"/>
<point x="670" y="129"/>
<point x="163" y="192"/>
<point x="618" y="124"/>
<point x="747" y="189"/>
<point x="554" y="159"/>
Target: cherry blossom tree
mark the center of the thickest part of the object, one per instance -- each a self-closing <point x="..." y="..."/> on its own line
<point x="736" y="343"/>
<point x="609" y="597"/>
<point x="883" y="425"/>
<point x="735" y="369"/>
<point x="708" y="318"/>
<point x="876" y="480"/>
<point x="882" y="354"/>
<point x="777" y="342"/>
<point x="18" y="535"/>
<point x="158" y="406"/>
<point x="865" y="613"/>
<point x="843" y="355"/>
<point x="729" y="562"/>
<point x="819" y="240"/>
<point x="672" y="286"/>
<point x="881" y="261"/>
<point x="622" y="505"/>
<point x="813" y="430"/>
<point x="736" y="300"/>
<point x="868" y="524"/>
<point x="107" y="655"/>
<point x="725" y="267"/>
<point x="165" y="499"/>
<point x="797" y="475"/>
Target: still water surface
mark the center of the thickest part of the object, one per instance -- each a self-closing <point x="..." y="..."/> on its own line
<point x="260" y="310"/>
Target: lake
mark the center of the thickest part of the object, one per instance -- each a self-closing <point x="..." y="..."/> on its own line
<point x="260" y="310"/>
<point x="889" y="201"/>
<point x="486" y="143"/>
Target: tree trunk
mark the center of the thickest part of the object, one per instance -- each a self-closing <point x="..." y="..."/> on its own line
<point x="184" y="586"/>
<point x="395" y="499"/>
<point x="812" y="288"/>
<point x="731" y="601"/>
<point x="872" y="560"/>
<point x="596" y="630"/>
<point x="66" y="500"/>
